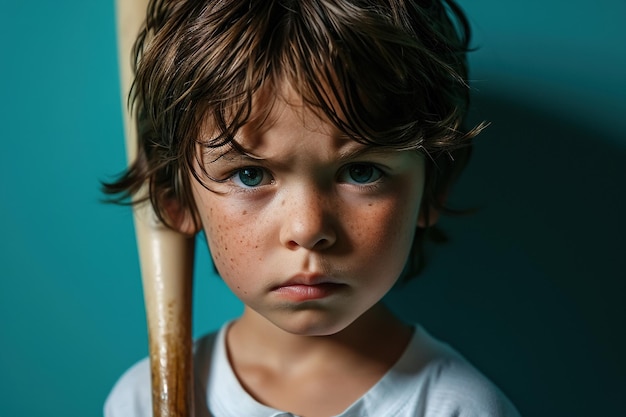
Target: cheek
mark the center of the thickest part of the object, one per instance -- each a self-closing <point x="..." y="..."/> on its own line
<point x="234" y="237"/>
<point x="385" y="230"/>
<point x="232" y="241"/>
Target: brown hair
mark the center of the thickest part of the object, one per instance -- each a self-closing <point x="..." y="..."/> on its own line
<point x="388" y="73"/>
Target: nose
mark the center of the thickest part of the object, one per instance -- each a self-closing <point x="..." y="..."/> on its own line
<point x="307" y="220"/>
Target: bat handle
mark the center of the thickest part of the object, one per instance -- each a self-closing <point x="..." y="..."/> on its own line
<point x="166" y="259"/>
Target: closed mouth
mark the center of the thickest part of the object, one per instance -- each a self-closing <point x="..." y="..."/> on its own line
<point x="302" y="292"/>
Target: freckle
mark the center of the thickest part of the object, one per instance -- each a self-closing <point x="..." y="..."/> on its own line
<point x="244" y="212"/>
<point x="282" y="203"/>
<point x="370" y="204"/>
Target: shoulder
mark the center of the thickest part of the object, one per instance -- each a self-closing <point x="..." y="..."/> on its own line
<point x="456" y="388"/>
<point x="131" y="395"/>
<point x="450" y="386"/>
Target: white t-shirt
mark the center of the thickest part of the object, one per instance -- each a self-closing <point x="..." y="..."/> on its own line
<point x="429" y="380"/>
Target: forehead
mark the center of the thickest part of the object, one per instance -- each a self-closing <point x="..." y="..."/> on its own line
<point x="282" y="114"/>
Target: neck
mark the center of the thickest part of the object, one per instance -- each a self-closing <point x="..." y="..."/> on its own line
<point x="378" y="335"/>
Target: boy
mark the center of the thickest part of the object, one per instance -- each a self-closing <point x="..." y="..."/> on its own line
<point x="314" y="142"/>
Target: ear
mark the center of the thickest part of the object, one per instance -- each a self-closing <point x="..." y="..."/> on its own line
<point x="428" y="216"/>
<point x="181" y="219"/>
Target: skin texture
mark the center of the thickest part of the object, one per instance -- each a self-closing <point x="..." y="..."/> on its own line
<point x="310" y="230"/>
<point x="306" y="218"/>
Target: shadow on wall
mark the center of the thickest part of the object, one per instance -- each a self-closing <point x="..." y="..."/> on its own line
<point x="532" y="288"/>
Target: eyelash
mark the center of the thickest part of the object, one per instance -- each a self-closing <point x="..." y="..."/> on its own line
<point x="235" y="177"/>
<point x="376" y="172"/>
<point x="343" y="176"/>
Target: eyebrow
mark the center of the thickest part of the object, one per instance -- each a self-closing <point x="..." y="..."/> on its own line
<point x="233" y="154"/>
<point x="355" y="152"/>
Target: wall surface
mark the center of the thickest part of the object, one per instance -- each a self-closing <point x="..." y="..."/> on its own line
<point x="530" y="288"/>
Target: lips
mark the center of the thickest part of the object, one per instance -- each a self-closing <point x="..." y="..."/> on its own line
<point x="306" y="287"/>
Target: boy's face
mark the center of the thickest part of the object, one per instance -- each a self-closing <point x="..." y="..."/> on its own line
<point x="311" y="229"/>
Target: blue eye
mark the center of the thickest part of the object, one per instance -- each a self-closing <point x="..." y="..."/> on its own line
<point x="250" y="176"/>
<point x="361" y="173"/>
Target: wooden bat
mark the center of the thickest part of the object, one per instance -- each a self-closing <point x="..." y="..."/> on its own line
<point x="166" y="259"/>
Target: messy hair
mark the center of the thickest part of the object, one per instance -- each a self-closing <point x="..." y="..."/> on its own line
<point x="386" y="73"/>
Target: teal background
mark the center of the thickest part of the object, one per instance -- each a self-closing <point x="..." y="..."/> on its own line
<point x="531" y="288"/>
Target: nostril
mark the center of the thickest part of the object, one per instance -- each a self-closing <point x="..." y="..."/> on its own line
<point x="313" y="244"/>
<point x="323" y="243"/>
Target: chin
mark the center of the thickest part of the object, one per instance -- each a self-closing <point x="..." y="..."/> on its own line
<point x="311" y="324"/>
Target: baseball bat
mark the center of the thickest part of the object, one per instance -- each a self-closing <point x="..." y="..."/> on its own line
<point x="166" y="259"/>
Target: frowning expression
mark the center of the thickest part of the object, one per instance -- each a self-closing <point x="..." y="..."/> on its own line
<point x="308" y="228"/>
